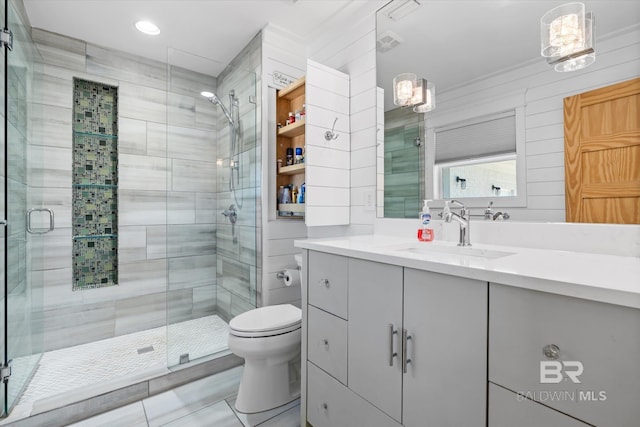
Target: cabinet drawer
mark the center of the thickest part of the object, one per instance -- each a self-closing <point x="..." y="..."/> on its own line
<point x="507" y="409"/>
<point x="327" y="404"/>
<point x="328" y="282"/>
<point x="327" y="343"/>
<point x="331" y="404"/>
<point x="599" y="339"/>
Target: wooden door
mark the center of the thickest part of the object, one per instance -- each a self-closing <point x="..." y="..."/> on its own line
<point x="602" y="154"/>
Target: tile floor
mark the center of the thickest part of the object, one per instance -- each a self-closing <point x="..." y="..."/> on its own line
<point x="207" y="402"/>
<point x="74" y="368"/>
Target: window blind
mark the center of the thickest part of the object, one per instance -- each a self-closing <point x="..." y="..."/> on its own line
<point x="481" y="137"/>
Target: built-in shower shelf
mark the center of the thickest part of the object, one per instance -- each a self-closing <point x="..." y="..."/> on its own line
<point x="292" y="170"/>
<point x="96" y="236"/>
<point x="96" y="135"/>
<point x="107" y="186"/>
<point x="292" y="130"/>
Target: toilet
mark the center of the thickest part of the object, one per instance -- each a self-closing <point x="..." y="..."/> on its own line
<point x="269" y="339"/>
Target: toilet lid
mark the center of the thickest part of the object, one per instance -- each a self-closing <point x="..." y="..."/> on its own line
<point x="267" y="319"/>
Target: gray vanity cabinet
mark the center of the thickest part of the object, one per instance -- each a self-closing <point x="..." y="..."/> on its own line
<point x="575" y="356"/>
<point x="417" y="344"/>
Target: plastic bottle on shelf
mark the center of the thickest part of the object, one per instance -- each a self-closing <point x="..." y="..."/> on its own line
<point x="425" y="232"/>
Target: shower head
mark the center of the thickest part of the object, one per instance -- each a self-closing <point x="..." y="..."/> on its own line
<point x="213" y="98"/>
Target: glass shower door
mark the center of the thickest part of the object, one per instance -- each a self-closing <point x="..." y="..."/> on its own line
<point x="212" y="193"/>
<point x="26" y="218"/>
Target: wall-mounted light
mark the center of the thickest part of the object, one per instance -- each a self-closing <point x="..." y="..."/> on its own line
<point x="403" y="87"/>
<point x="567" y="35"/>
<point x="410" y="91"/>
<point x="426" y="99"/>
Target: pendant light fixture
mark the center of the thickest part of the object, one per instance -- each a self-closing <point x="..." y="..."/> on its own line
<point x="567" y="35"/>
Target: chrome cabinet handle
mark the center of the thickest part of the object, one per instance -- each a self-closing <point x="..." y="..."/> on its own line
<point x="325" y="343"/>
<point x="324" y="282"/>
<point x="41" y="230"/>
<point x="324" y="407"/>
<point x="551" y="351"/>
<point x="405" y="350"/>
<point x="392" y="353"/>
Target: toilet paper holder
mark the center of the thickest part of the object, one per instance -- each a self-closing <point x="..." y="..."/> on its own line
<point x="280" y="274"/>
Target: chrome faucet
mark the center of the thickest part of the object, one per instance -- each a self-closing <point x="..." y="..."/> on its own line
<point x="464" y="219"/>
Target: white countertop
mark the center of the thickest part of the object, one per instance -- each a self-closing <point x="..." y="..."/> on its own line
<point x="605" y="278"/>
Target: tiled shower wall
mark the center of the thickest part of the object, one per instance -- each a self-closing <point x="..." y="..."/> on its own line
<point x="239" y="268"/>
<point x="167" y="175"/>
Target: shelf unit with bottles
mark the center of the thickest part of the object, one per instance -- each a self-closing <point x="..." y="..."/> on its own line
<point x="290" y="99"/>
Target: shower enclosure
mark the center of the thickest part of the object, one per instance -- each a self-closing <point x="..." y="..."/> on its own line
<point x="185" y="269"/>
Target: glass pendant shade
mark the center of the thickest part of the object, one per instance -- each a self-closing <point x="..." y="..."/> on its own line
<point x="562" y="30"/>
<point x="583" y="58"/>
<point x="428" y="93"/>
<point x="403" y="88"/>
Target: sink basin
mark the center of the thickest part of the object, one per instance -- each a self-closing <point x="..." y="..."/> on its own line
<point x="430" y="249"/>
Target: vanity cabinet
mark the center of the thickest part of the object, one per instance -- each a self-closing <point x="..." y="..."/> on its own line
<point x="329" y="401"/>
<point x="408" y="336"/>
<point x="589" y="350"/>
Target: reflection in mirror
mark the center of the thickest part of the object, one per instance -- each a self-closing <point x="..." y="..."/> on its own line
<point x="484" y="58"/>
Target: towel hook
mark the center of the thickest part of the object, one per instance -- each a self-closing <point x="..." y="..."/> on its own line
<point x="330" y="134"/>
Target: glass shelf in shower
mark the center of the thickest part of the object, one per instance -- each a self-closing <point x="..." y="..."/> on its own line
<point x="95" y="135"/>
<point x="95" y="236"/>
<point x="107" y="186"/>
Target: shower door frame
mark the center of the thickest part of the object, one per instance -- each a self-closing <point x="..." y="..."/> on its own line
<point x="23" y="200"/>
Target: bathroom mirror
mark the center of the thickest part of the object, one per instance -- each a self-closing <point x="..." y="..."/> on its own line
<point x="484" y="59"/>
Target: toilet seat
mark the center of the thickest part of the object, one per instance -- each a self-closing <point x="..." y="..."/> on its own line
<point x="266" y="321"/>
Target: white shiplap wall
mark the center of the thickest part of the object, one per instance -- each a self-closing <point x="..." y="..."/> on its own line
<point x="349" y="45"/>
<point x="327" y="161"/>
<point x="281" y="53"/>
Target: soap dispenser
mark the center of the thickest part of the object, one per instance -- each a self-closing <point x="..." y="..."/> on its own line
<point x="425" y="232"/>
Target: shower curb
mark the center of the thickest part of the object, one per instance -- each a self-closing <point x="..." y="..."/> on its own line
<point x="95" y="405"/>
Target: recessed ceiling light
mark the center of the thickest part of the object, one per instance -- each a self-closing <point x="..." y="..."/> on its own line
<point x="148" y="27"/>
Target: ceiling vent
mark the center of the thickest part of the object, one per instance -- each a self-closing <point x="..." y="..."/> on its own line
<point x="387" y="41"/>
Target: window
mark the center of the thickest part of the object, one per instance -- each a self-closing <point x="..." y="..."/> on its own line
<point x="478" y="158"/>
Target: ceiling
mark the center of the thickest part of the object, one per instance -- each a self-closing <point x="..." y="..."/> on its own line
<point x="202" y="35"/>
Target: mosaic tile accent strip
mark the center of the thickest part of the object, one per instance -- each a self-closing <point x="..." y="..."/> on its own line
<point x="95" y="185"/>
<point x="95" y="108"/>
<point x="95" y="262"/>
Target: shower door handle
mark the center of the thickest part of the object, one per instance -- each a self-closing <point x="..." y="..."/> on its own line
<point x="40" y="230"/>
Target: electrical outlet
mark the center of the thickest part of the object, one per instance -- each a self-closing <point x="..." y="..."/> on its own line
<point x="369" y="200"/>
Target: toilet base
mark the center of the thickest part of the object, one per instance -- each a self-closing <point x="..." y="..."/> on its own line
<point x="264" y="387"/>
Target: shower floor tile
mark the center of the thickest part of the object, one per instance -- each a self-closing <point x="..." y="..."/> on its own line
<point x="61" y="371"/>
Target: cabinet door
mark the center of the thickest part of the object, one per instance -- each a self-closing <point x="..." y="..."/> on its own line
<point x="446" y="380"/>
<point x="593" y="372"/>
<point x="375" y="309"/>
<point x="507" y="409"/>
<point x="328" y="163"/>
